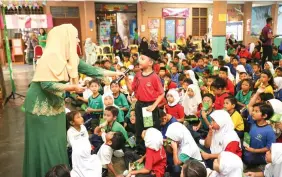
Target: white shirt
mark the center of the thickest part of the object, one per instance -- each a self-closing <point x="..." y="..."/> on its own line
<point x="105" y="154"/>
<point x="87" y="93"/>
<point x="73" y="135"/>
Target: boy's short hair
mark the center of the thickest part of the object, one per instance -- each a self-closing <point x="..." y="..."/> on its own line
<point x="232" y="100"/>
<point x="279" y="68"/>
<point x="162" y="113"/>
<point x="194" y="168"/>
<point x="219" y="83"/>
<point x="215" y="59"/>
<point x="265" y="109"/>
<point x="220" y="57"/>
<point x="118" y="141"/>
<point x="186" y="61"/>
<point x="241" y="73"/>
<point x="115" y="82"/>
<point x="96" y="81"/>
<point x="181" y="77"/>
<point x="256" y="64"/>
<point x="207" y="71"/>
<point x="174" y="65"/>
<point x="123" y="67"/>
<point x="249" y="81"/>
<point x="162" y="69"/>
<point x="265" y="96"/>
<point x="243" y="46"/>
<point x="224" y="69"/>
<point x="189" y="81"/>
<point x="97" y="63"/>
<point x="176" y="57"/>
<point x="60" y="170"/>
<point x="163" y="62"/>
<point x="167" y="75"/>
<point x="210" y="96"/>
<point x="132" y="110"/>
<point x="212" y="77"/>
<point x="186" y="68"/>
<point x="275" y="48"/>
<point x="113" y="110"/>
<point x="135" y="55"/>
<point x="268" y="20"/>
<point x="210" y="56"/>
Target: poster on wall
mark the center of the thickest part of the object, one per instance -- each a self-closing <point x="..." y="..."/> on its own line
<point x="154" y="34"/>
<point x="175" y="12"/>
<point x="170" y="30"/>
<point x="123" y="23"/>
<point x="132" y="26"/>
<point x="153" y="23"/>
<point x="180" y="28"/>
<point x="28" y="21"/>
<point x="105" y="32"/>
<point x="235" y="28"/>
<point x="259" y="16"/>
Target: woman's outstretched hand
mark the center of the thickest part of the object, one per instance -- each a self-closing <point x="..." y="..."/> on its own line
<point x="79" y="89"/>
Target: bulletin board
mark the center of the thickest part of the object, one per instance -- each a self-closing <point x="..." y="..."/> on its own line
<point x="154" y="24"/>
<point x="235" y="28"/>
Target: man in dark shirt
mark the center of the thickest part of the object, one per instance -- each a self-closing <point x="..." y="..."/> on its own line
<point x="267" y="44"/>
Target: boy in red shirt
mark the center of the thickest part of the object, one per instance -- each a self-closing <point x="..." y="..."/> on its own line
<point x="149" y="92"/>
<point x="244" y="53"/>
<point x="223" y="73"/>
<point x="218" y="87"/>
<point x="168" y="83"/>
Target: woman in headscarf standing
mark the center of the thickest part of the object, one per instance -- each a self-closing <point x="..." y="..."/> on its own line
<point x="90" y="51"/>
<point x="45" y="122"/>
<point x="144" y="46"/>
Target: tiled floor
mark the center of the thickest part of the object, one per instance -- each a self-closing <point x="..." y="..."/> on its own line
<point x="12" y="125"/>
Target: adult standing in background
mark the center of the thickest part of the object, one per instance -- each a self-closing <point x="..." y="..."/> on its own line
<point x="267" y="36"/>
<point x="90" y="51"/>
<point x="45" y="118"/>
<point x="42" y="37"/>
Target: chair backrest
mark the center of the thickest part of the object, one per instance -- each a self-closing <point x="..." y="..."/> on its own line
<point x="99" y="50"/>
<point x="173" y="46"/>
<point x="107" y="49"/>
<point x="38" y="52"/>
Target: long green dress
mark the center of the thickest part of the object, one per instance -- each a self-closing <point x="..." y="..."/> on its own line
<point x="45" y="124"/>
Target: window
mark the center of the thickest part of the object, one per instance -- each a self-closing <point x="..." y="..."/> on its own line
<point x="65" y="12"/>
<point x="199" y="21"/>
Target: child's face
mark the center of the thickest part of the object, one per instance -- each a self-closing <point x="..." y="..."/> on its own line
<point x="200" y="62"/>
<point x="190" y="92"/>
<point x="167" y="79"/>
<point x="206" y="60"/>
<point x="209" y="82"/>
<point x="108" y="101"/>
<point x="108" y="116"/>
<point x="115" y="88"/>
<point x="228" y="106"/>
<point x="185" y="85"/>
<point x="235" y="62"/>
<point x="264" y="78"/>
<point x="170" y="64"/>
<point x="162" y="73"/>
<point x="175" y="60"/>
<point x="109" y="137"/>
<point x="243" y="61"/>
<point x="174" y="70"/>
<point x="274" y="52"/>
<point x="208" y="100"/>
<point x="223" y="74"/>
<point x="217" y="91"/>
<point x="145" y="62"/>
<point x="215" y="126"/>
<point x="169" y="98"/>
<point x="268" y="157"/>
<point x="162" y="65"/>
<point x="215" y="63"/>
<point x="256" y="114"/>
<point x="132" y="117"/>
<point x="255" y="68"/>
<point x="125" y="58"/>
<point x="280" y="63"/>
<point x="205" y="74"/>
<point x="266" y="66"/>
<point x="243" y="76"/>
<point x="94" y="87"/>
<point x="77" y="120"/>
<point x="278" y="73"/>
<point x="184" y="63"/>
<point x="193" y="62"/>
<point x="245" y="86"/>
<point x="164" y="120"/>
<point x="122" y="70"/>
<point x="107" y="65"/>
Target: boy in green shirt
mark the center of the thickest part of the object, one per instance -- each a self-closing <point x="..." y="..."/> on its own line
<point x="95" y="103"/>
<point x="276" y="56"/>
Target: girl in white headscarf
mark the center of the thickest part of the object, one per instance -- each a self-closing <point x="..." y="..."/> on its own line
<point x="182" y="143"/>
<point x="191" y="100"/>
<point x="269" y="66"/>
<point x="227" y="165"/>
<point x="108" y="100"/>
<point x="85" y="164"/>
<point x="274" y="160"/>
<point x="90" y="51"/>
<point x="239" y="69"/>
<point x="221" y="136"/>
<point x="229" y="74"/>
<point x="155" y="157"/>
<point x="173" y="107"/>
<point x="278" y="91"/>
<point x="191" y="75"/>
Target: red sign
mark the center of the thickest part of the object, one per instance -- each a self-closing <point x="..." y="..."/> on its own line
<point x="175" y="12"/>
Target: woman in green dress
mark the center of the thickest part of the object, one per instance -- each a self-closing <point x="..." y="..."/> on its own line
<point x="42" y="37"/>
<point x="45" y="122"/>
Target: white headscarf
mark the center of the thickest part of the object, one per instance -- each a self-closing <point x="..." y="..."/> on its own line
<point x="125" y="41"/>
<point x="59" y="61"/>
<point x="271" y="69"/>
<point x="276" y="105"/>
<point x="85" y="164"/>
<point x="252" y="47"/>
<point x="191" y="104"/>
<point x="239" y="69"/>
<point x="179" y="133"/>
<point x="226" y="134"/>
<point x="108" y="94"/>
<point x="192" y="76"/>
<point x="153" y="139"/>
<point x="168" y="55"/>
<point x="275" y="168"/>
<point x="181" y="56"/>
<point x="278" y="83"/>
<point x="230" y="75"/>
<point x="175" y="96"/>
<point x="230" y="165"/>
<point x="119" y="62"/>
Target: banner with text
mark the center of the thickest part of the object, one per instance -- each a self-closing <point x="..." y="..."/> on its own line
<point x="28" y="21"/>
<point x="175" y="12"/>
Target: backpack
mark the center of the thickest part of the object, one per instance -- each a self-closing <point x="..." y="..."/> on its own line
<point x="262" y="38"/>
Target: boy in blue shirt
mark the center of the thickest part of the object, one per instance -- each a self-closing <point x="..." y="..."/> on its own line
<point x="200" y="68"/>
<point x="261" y="135"/>
<point x="175" y="75"/>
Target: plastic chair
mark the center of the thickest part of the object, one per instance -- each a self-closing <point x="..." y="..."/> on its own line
<point x="105" y="53"/>
<point x="38" y="52"/>
<point x="132" y="47"/>
<point x="99" y="52"/>
<point x="174" y="49"/>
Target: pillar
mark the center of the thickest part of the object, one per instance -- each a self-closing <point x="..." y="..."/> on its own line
<point x="247" y="22"/>
<point x="219" y="28"/>
<point x="139" y="17"/>
<point x="89" y="15"/>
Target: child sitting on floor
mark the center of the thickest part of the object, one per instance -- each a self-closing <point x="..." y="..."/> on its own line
<point x="173" y="107"/>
